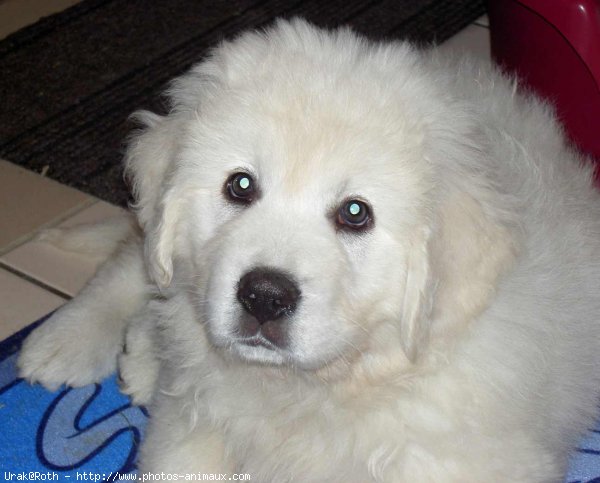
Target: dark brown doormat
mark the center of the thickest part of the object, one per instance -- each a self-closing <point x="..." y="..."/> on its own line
<point x="69" y="82"/>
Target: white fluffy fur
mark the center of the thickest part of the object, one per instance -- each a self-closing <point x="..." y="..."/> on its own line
<point x="457" y="340"/>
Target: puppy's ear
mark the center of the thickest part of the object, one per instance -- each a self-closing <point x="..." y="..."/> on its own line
<point x="159" y="238"/>
<point x="453" y="271"/>
<point x="148" y="164"/>
<point x="418" y="293"/>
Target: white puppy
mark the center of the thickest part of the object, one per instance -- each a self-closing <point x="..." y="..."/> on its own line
<point x="365" y="263"/>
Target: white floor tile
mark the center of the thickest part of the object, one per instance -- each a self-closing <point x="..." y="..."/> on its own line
<point x="28" y="201"/>
<point x="474" y="40"/>
<point x="101" y="210"/>
<point x="62" y="270"/>
<point x="22" y="303"/>
<point x="484" y="21"/>
<point x="16" y="14"/>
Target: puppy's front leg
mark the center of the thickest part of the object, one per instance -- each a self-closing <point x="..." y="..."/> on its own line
<point x="79" y="344"/>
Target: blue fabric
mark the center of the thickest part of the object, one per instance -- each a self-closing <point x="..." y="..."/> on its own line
<point x="89" y="433"/>
<point x="94" y="431"/>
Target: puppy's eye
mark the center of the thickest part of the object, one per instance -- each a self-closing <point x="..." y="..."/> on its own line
<point x="354" y="214"/>
<point x="240" y="187"/>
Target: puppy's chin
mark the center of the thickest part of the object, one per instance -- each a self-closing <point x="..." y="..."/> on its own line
<point x="259" y="353"/>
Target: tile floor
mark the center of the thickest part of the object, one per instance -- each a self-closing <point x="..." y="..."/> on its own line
<point x="36" y="278"/>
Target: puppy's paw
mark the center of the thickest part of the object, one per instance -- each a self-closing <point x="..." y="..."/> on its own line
<point x="66" y="350"/>
<point x="138" y="373"/>
<point x="139" y="364"/>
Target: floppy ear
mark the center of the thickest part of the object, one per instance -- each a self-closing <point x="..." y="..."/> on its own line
<point x="159" y="238"/>
<point x="453" y="271"/>
<point x="148" y="164"/>
<point x="418" y="294"/>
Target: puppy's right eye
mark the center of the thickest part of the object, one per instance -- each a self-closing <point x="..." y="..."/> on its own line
<point x="240" y="188"/>
<point x="354" y="215"/>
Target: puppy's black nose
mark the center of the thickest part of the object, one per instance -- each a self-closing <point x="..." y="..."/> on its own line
<point x="267" y="294"/>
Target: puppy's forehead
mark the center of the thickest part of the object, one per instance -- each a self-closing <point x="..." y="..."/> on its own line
<point x="325" y="144"/>
<point x="319" y="151"/>
<point x="322" y="144"/>
<point x="318" y="117"/>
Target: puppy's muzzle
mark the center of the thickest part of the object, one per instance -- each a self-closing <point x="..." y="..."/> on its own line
<point x="268" y="297"/>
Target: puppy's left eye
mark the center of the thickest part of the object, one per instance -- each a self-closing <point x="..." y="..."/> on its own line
<point x="354" y="214"/>
<point x="240" y="187"/>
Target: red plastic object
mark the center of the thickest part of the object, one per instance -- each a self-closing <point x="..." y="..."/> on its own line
<point x="554" y="47"/>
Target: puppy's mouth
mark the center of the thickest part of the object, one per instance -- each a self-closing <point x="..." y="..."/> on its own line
<point x="258" y="349"/>
<point x="271" y="334"/>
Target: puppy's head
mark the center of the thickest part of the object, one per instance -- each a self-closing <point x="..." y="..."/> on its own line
<point x="318" y="198"/>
